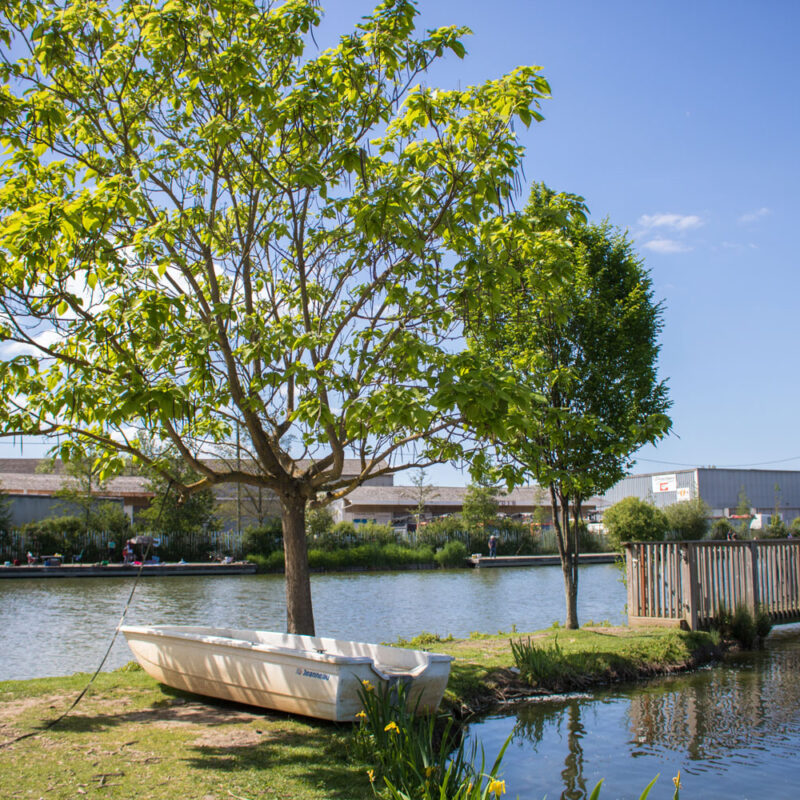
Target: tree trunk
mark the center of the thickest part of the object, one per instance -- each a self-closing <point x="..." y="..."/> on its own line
<point x="299" y="611"/>
<point x="569" y="566"/>
<point x="566" y="539"/>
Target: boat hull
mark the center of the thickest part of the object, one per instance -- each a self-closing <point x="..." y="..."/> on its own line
<point x="314" y="676"/>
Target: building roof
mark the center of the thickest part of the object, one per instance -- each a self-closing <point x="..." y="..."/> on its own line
<point x="47" y="484"/>
<point x="29" y="466"/>
<point x="407" y="496"/>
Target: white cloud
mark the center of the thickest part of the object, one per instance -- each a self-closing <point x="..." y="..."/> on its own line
<point x="754" y="216"/>
<point x="666" y="246"/>
<point x="737" y="246"/>
<point x="677" y="222"/>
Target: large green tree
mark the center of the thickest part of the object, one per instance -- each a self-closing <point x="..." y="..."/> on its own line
<point x="206" y="222"/>
<point x="587" y="348"/>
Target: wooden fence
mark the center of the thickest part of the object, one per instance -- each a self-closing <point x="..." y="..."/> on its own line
<point x="687" y="583"/>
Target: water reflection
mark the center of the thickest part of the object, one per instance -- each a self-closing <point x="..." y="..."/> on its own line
<point x="732" y="730"/>
<point x="708" y="715"/>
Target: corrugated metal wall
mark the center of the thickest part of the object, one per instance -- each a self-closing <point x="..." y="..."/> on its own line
<point x="719" y="488"/>
<point x="641" y="486"/>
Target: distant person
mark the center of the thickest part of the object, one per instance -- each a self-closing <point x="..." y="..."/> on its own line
<point x="492" y="546"/>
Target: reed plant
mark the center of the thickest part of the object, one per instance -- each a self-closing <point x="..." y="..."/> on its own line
<point x="742" y="626"/>
<point x="419" y="756"/>
<point x="541" y="665"/>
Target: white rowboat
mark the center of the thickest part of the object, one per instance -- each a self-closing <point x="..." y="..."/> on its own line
<point x="308" y="675"/>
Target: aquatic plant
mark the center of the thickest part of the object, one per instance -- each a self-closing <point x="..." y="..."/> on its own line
<point x="741" y="626"/>
<point x="540" y="664"/>
<point x="419" y="757"/>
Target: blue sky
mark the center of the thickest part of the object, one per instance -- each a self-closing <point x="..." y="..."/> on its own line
<point x="679" y="122"/>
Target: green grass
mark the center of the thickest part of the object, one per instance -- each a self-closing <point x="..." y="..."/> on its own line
<point x="130" y="737"/>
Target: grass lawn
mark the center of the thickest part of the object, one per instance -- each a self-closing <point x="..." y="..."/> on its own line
<point x="132" y="738"/>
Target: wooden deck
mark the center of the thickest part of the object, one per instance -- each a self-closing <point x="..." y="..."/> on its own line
<point x="687" y="583"/>
<point x="126" y="571"/>
<point x="537" y="561"/>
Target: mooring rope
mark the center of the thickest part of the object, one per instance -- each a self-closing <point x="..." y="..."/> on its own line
<point x="53" y="722"/>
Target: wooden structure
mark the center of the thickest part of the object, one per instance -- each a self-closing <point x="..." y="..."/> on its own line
<point x="481" y="561"/>
<point x="686" y="583"/>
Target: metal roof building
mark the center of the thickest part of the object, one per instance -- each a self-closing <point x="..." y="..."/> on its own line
<point x="766" y="489"/>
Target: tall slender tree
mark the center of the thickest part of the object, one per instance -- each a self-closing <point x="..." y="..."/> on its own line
<point x="588" y="350"/>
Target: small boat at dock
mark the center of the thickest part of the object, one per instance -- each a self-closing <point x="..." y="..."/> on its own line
<point x="314" y="676"/>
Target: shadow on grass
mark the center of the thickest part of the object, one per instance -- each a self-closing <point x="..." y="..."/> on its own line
<point x="316" y="755"/>
<point x="174" y="707"/>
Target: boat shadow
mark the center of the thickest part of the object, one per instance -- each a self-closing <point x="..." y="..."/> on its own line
<point x="178" y="707"/>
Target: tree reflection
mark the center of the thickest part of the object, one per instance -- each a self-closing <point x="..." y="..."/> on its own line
<point x="708" y="713"/>
<point x="534" y="720"/>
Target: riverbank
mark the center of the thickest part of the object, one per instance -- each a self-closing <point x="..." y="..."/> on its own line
<point x="160" y="570"/>
<point x="146" y="740"/>
<point x="483" y="676"/>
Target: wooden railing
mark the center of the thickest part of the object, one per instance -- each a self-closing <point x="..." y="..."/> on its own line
<point x="687" y="583"/>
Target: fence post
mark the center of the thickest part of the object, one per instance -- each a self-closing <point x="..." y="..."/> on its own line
<point x="689" y="587"/>
<point x="755" y="593"/>
<point x="633" y="607"/>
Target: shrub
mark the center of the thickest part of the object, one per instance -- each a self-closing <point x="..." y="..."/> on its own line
<point x="740" y="626"/>
<point x="721" y="529"/>
<point x="441" y="530"/>
<point x="373" y="533"/>
<point x="319" y="521"/>
<point x="633" y="520"/>
<point x="763" y="624"/>
<point x="453" y="554"/>
<point x="267" y="563"/>
<point x="369" y="556"/>
<point x="776" y="529"/>
<point x="743" y="627"/>
<point x="263" y="539"/>
<point x="688" y="520"/>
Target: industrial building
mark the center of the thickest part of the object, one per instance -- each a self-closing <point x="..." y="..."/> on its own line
<point x="766" y="491"/>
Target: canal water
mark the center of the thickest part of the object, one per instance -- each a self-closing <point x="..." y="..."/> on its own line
<point x="58" y="626"/>
<point x="732" y="730"/>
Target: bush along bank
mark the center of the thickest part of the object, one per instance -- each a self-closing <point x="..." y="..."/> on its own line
<point x="445" y="542"/>
<point x="359" y="557"/>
